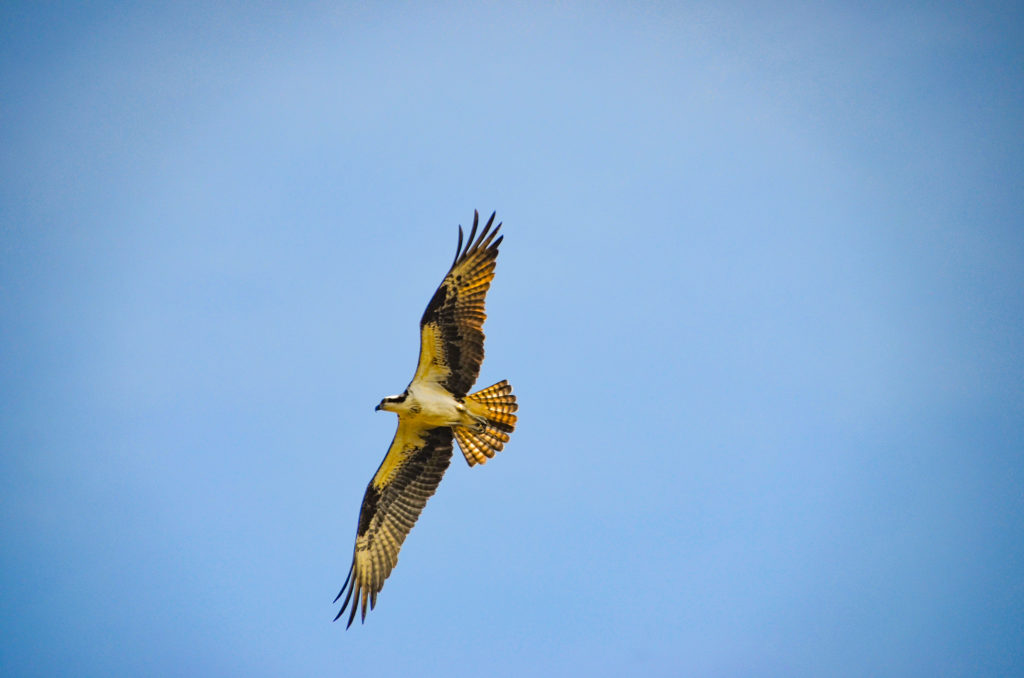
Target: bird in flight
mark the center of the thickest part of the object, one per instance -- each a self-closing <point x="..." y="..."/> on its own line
<point x="434" y="408"/>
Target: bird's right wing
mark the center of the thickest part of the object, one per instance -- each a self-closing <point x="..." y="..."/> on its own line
<point x="408" y="476"/>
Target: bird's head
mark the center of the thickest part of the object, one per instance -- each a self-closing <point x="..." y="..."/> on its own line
<point x="391" y="403"/>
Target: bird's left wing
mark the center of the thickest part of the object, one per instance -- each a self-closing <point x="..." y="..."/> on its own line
<point x="451" y="329"/>
<point x="407" y="477"/>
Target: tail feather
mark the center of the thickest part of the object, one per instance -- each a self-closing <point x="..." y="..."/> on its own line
<point x="495" y="404"/>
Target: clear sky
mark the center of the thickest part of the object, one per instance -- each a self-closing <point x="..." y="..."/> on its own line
<point x="761" y="297"/>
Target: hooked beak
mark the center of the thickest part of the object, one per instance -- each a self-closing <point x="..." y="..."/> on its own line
<point x="377" y="409"/>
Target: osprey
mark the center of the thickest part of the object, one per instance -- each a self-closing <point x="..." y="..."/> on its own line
<point x="434" y="408"/>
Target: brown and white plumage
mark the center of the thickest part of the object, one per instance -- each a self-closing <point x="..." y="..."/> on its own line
<point x="451" y="329"/>
<point x="433" y="409"/>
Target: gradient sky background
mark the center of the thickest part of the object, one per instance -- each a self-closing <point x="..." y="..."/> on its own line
<point x="761" y="298"/>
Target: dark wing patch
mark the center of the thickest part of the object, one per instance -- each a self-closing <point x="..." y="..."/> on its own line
<point x="407" y="477"/>
<point x="451" y="330"/>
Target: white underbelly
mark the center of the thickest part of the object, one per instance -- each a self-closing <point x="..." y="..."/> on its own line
<point x="437" y="406"/>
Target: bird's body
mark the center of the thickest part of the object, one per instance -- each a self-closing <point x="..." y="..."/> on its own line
<point x="430" y="405"/>
<point x="435" y="408"/>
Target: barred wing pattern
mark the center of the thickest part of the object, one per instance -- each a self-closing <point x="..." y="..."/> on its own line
<point x="451" y="330"/>
<point x="407" y="477"/>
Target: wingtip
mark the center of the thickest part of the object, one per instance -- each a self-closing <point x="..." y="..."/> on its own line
<point x="489" y="240"/>
<point x="352" y="615"/>
<point x="473" y="242"/>
<point x="348" y="578"/>
<point x="458" y="248"/>
<point x="472" y="231"/>
<point x="349" y="585"/>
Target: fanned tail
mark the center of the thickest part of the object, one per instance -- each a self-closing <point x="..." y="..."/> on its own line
<point x="495" y="404"/>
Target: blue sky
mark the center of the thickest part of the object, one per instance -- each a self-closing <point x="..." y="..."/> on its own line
<point x="760" y="296"/>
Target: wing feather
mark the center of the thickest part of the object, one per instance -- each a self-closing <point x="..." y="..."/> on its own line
<point x="451" y="329"/>
<point x="406" y="479"/>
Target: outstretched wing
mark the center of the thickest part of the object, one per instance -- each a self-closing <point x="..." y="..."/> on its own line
<point x="451" y="330"/>
<point x="407" y="477"/>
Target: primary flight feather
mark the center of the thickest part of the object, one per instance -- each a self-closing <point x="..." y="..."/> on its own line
<point x="434" y="408"/>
